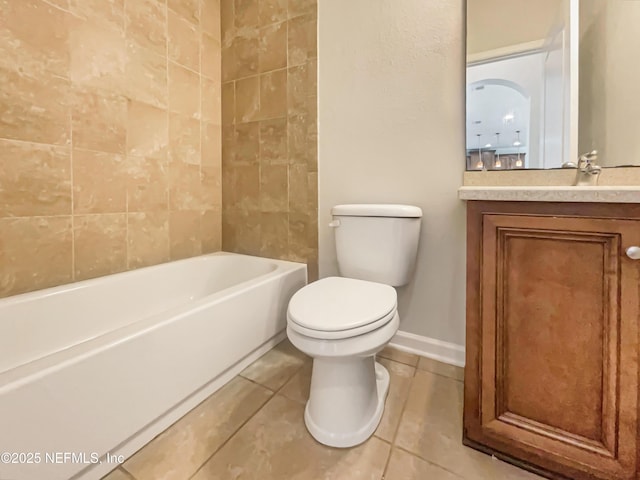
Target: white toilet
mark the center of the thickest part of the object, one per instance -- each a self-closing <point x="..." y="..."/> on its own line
<point x="342" y="322"/>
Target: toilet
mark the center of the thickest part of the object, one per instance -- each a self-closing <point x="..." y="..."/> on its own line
<point x="342" y="322"/>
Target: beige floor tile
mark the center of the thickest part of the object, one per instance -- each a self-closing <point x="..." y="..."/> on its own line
<point x="401" y="377"/>
<point x="404" y="466"/>
<point x="399" y="356"/>
<point x="118" y="474"/>
<point x="433" y="366"/>
<point x="298" y="387"/>
<point x="273" y="369"/>
<point x="275" y="445"/>
<point x="431" y="427"/>
<point x="180" y="450"/>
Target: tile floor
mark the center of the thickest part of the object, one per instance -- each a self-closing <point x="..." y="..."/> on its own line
<point x="253" y="429"/>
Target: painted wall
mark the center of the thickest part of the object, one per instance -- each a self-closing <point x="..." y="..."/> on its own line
<point x="609" y="81"/>
<point x="494" y="24"/>
<point x="391" y="129"/>
<point x="110" y="143"/>
<point x="269" y="153"/>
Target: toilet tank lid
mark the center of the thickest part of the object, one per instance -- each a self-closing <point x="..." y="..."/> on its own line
<point x="377" y="210"/>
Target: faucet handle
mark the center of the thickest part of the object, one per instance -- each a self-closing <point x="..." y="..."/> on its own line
<point x="588" y="157"/>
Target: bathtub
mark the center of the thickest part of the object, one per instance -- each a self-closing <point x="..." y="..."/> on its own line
<point x="92" y="371"/>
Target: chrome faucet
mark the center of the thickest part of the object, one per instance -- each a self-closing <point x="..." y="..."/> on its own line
<point x="588" y="171"/>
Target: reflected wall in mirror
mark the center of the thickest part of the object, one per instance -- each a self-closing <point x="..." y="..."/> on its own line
<point x="548" y="80"/>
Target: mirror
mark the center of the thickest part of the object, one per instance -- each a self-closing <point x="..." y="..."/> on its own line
<point x="548" y="80"/>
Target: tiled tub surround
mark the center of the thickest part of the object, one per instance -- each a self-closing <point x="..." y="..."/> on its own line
<point x="161" y="339"/>
<point x="269" y="112"/>
<point x="253" y="429"/>
<point x="110" y="137"/>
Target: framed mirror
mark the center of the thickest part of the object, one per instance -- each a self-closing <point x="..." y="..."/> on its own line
<point x="548" y="80"/>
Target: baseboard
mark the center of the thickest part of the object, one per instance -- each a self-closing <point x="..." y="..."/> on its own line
<point x="429" y="347"/>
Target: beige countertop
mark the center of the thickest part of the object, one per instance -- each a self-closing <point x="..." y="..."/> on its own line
<point x="515" y="193"/>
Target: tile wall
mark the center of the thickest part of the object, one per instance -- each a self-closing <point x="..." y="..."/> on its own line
<point x="269" y="117"/>
<point x="110" y="136"/>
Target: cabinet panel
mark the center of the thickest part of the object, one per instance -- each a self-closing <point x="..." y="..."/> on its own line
<point x="552" y="343"/>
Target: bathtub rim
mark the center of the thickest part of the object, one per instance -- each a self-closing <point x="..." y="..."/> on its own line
<point x="42" y="366"/>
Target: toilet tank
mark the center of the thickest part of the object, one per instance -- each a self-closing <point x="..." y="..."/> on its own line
<point x="378" y="243"/>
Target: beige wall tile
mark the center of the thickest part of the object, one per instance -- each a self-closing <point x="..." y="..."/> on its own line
<point x="246" y="13"/>
<point x="99" y="182"/>
<point x="146" y="76"/>
<point x="211" y="187"/>
<point x="106" y="234"/>
<point x="211" y="233"/>
<point x="147" y="130"/>
<point x="302" y="7"/>
<point x="34" y="179"/>
<point x="147" y="239"/>
<point x="107" y="11"/>
<point x="246" y="55"/>
<point x="184" y="187"/>
<point x="273" y="142"/>
<point x="211" y="97"/>
<point x="146" y="24"/>
<point x="302" y="39"/>
<point x="247" y="99"/>
<point x="147" y="184"/>
<point x="98" y="52"/>
<point x="211" y="145"/>
<point x="189" y="9"/>
<point x="283" y="99"/>
<point x="210" y="18"/>
<point x="99" y="120"/>
<point x="184" y="91"/>
<point x="41" y="31"/>
<point x="273" y="94"/>
<point x="34" y="111"/>
<point x="273" y="47"/>
<point x="272" y="11"/>
<point x="34" y="253"/>
<point x="184" y="234"/>
<point x="184" y="42"/>
<point x="211" y="57"/>
<point x="96" y="73"/>
<point x="184" y="139"/>
<point x="228" y="103"/>
<point x="274" y="188"/>
<point x="247" y="143"/>
<point x="274" y="227"/>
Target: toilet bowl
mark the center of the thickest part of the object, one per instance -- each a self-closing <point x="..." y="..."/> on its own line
<point x="342" y="323"/>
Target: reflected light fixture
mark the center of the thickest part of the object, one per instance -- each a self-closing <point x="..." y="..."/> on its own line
<point x="508" y="118"/>
<point x="498" y="162"/>
<point x="480" y="164"/>
<point x="517" y="142"/>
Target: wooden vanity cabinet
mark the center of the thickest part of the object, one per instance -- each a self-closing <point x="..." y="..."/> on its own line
<point x="551" y="377"/>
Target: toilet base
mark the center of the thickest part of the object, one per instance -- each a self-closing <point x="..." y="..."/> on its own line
<point x="354" y="412"/>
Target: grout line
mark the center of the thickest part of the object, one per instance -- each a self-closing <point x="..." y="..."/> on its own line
<point x="73" y="213"/>
<point x="413" y="454"/>
<point x="394" y="438"/>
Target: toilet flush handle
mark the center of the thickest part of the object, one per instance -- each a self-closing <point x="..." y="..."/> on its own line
<point x="334" y="224"/>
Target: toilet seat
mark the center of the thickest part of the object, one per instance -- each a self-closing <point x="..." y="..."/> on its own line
<point x="339" y="308"/>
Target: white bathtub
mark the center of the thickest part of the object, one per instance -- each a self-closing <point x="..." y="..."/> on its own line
<point x="104" y="365"/>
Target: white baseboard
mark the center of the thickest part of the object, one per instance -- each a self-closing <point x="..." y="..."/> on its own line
<point x="429" y="347"/>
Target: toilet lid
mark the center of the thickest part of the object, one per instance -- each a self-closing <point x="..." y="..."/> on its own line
<point x="336" y="303"/>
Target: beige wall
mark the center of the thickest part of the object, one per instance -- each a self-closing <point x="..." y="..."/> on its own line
<point x="109" y="137"/>
<point x="609" y="102"/>
<point x="391" y="129"/>
<point x="269" y="156"/>
<point x="493" y="24"/>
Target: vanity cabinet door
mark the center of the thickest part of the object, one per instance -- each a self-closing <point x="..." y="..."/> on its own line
<point x="552" y="344"/>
